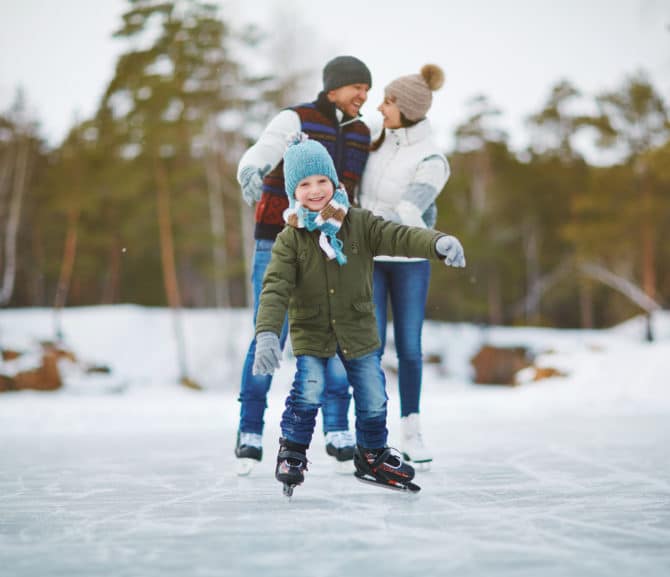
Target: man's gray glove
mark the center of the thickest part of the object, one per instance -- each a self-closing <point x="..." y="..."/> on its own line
<point x="451" y="249"/>
<point x="251" y="180"/>
<point x="268" y="353"/>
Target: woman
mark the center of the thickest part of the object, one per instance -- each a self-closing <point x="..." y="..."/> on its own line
<point x="404" y="175"/>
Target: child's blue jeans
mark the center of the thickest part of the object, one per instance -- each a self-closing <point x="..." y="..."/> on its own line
<point x="307" y="395"/>
<point x="254" y="388"/>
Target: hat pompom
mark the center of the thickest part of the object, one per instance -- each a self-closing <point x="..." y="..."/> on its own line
<point x="433" y="75"/>
<point x="296" y="138"/>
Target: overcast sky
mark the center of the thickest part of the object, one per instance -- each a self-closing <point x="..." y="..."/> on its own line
<point x="62" y="53"/>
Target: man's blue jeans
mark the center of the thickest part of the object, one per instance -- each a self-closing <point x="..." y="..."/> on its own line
<point x="307" y="395"/>
<point x="254" y="388"/>
<point x="406" y="284"/>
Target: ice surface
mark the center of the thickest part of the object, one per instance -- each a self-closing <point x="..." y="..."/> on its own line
<point x="566" y="477"/>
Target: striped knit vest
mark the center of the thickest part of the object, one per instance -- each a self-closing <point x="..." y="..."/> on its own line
<point x="348" y="146"/>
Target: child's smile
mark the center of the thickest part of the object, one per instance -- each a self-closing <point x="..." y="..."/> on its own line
<point x="314" y="192"/>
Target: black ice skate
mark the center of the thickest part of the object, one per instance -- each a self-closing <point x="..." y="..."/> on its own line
<point x="340" y="444"/>
<point x="248" y="451"/>
<point x="384" y="467"/>
<point x="291" y="465"/>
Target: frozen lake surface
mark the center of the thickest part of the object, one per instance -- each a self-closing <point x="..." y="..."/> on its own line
<point x="132" y="475"/>
<point x="133" y="487"/>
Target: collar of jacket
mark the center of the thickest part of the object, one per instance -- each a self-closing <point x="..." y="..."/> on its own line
<point x="409" y="135"/>
<point x="328" y="109"/>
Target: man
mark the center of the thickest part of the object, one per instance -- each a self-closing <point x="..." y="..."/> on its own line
<point x="333" y="119"/>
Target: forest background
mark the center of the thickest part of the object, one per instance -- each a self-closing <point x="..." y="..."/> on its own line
<point x="139" y="202"/>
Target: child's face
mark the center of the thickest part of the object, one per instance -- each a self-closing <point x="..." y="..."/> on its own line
<point x="314" y="192"/>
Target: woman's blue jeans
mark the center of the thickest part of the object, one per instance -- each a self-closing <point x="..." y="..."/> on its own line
<point x="254" y="388"/>
<point x="307" y="395"/>
<point x="406" y="285"/>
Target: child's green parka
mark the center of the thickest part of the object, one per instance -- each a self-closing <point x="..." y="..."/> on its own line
<point x="331" y="305"/>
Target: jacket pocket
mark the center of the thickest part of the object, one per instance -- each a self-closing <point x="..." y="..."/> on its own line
<point x="364" y="307"/>
<point x="302" y="313"/>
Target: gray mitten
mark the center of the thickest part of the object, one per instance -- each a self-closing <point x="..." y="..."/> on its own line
<point x="452" y="251"/>
<point x="268" y="353"/>
<point x="251" y="179"/>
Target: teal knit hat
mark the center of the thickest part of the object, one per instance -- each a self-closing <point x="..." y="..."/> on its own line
<point x="304" y="158"/>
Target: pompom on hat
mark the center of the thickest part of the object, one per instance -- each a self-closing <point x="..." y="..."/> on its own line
<point x="413" y="94"/>
<point x="305" y="157"/>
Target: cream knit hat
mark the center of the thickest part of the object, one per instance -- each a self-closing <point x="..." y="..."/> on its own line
<point x="413" y="93"/>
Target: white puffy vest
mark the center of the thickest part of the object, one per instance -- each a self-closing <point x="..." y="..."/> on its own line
<point x="393" y="167"/>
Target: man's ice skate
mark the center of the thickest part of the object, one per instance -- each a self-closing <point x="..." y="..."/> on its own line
<point x="412" y="446"/>
<point x="340" y="445"/>
<point x="384" y="467"/>
<point x="291" y="465"/>
<point x="249" y="452"/>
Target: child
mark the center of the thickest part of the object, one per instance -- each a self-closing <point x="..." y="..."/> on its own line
<point x="321" y="271"/>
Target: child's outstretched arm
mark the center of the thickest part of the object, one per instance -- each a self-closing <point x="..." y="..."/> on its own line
<point x="389" y="238"/>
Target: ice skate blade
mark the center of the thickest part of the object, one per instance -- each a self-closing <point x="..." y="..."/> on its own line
<point x="243" y="467"/>
<point x="288" y="490"/>
<point x="406" y="488"/>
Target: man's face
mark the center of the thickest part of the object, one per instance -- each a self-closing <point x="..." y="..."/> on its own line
<point x="349" y="98"/>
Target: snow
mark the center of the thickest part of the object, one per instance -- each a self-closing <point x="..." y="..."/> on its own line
<point x="131" y="474"/>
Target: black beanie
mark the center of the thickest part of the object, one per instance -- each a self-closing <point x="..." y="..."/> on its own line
<point x="345" y="70"/>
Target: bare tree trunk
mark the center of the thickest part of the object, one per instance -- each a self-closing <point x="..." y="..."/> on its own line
<point x="8" y="162"/>
<point x="531" y="250"/>
<point x="66" y="268"/>
<point x="37" y="277"/>
<point x="111" y="291"/>
<point x="14" y="219"/>
<point x="216" y="214"/>
<point x="169" y="268"/>
<point x="586" y="304"/>
<point x="494" y="298"/>
<point x="621" y="284"/>
<point x="648" y="244"/>
<point x="5" y="173"/>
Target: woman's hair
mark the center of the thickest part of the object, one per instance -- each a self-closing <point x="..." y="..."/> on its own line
<point x="404" y="122"/>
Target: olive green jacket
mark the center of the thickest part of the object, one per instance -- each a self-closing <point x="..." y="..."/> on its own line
<point x="331" y="305"/>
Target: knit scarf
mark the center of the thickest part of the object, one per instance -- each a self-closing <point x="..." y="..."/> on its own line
<point x="328" y="221"/>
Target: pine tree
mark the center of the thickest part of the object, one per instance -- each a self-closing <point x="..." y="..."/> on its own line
<point x="633" y="121"/>
<point x="164" y="100"/>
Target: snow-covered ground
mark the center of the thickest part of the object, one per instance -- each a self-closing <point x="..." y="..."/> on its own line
<point x="131" y="474"/>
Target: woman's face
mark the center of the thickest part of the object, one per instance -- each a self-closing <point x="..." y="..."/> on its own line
<point x="391" y="113"/>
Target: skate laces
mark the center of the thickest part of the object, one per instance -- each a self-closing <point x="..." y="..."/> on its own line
<point x="393" y="458"/>
<point x="288" y="458"/>
<point x="286" y="464"/>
